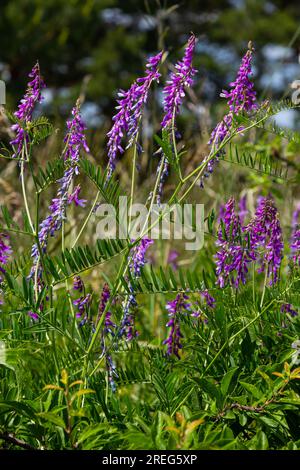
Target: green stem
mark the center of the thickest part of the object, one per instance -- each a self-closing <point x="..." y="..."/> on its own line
<point x="87" y="219"/>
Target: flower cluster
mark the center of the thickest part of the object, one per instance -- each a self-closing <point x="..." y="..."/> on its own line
<point x="295" y="239"/>
<point x="265" y="233"/>
<point x="261" y="241"/>
<point x="232" y="257"/>
<point x="287" y="308"/>
<point x="241" y="97"/>
<point x="83" y="303"/>
<point x="137" y="261"/>
<point x="209" y="302"/>
<point x="181" y="78"/>
<point x="74" y="140"/>
<point x="175" y="308"/>
<point x="25" y="109"/>
<point x="130" y="106"/>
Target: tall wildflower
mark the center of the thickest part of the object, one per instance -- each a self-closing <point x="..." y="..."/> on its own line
<point x="265" y="234"/>
<point x="232" y="257"/>
<point x="137" y="261"/>
<point x="240" y="98"/>
<point x="295" y="238"/>
<point x="180" y="79"/>
<point x="5" y="252"/>
<point x="129" y="112"/>
<point x="74" y="141"/>
<point x="25" y="109"/>
<point x="175" y="308"/>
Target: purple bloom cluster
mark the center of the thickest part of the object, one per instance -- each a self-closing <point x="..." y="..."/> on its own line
<point x="33" y="315"/>
<point x="26" y="108"/>
<point x="109" y="325"/>
<point x="83" y="303"/>
<point x="138" y="256"/>
<point x="137" y="261"/>
<point x="130" y="106"/>
<point x="175" y="307"/>
<point x="261" y="240"/>
<point x="287" y="308"/>
<point x="182" y="78"/>
<point x="78" y="284"/>
<point x="232" y="257"/>
<point x="265" y="232"/>
<point x="210" y="301"/>
<point x="241" y="97"/>
<point x="74" y="140"/>
<point x="295" y="239"/>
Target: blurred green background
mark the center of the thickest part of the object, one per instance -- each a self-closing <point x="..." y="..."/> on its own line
<point x="98" y="46"/>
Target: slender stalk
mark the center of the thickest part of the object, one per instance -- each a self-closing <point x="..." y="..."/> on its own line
<point x="264" y="287"/>
<point x="87" y="219"/>
<point x="25" y="197"/>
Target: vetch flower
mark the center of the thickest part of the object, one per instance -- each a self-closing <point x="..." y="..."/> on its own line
<point x="33" y="315"/>
<point x="180" y="79"/>
<point x="78" y="284"/>
<point x="232" y="257"/>
<point x="25" y="109"/>
<point x="295" y="238"/>
<point x="265" y="233"/>
<point x="287" y="308"/>
<point x="175" y="308"/>
<point x="240" y="98"/>
<point x="74" y="140"/>
<point x="129" y="112"/>
<point x="83" y="304"/>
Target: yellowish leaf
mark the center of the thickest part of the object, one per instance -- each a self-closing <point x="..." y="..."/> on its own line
<point x="52" y="387"/>
<point x="77" y="382"/>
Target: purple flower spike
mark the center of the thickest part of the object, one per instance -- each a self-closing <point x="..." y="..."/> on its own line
<point x="295" y="238"/>
<point x="75" y="140"/>
<point x="34" y="316"/>
<point x="78" y="284"/>
<point x="129" y="112"/>
<point x="181" y="79"/>
<point x="109" y="325"/>
<point x="138" y="256"/>
<point x="240" y="98"/>
<point x="83" y="304"/>
<point x="232" y="257"/>
<point x="287" y="308"/>
<point x="265" y="233"/>
<point x="210" y="301"/>
<point x="26" y="107"/>
<point x="175" y="307"/>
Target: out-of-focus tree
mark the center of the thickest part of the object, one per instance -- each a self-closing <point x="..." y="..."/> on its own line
<point x="108" y="40"/>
